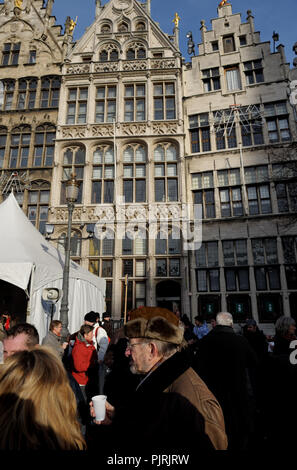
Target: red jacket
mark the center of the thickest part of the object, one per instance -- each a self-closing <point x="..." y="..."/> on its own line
<point x="84" y="357"/>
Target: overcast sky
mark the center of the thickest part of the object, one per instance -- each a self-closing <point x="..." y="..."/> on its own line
<point x="270" y="15"/>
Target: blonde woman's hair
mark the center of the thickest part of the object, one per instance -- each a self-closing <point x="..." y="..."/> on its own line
<point x="37" y="405"/>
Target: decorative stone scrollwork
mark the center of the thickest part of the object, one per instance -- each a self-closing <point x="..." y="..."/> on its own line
<point x="163" y="64"/>
<point x="163" y="128"/>
<point x="106" y="67"/>
<point x="102" y="131"/>
<point x="73" y="132"/>
<point x="134" y="129"/>
<point x="78" y="69"/>
<point x="135" y="65"/>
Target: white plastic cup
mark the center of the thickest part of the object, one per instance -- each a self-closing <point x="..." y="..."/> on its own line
<point x="99" y="406"/>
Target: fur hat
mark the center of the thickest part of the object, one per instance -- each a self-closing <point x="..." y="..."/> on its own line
<point x="154" y="323"/>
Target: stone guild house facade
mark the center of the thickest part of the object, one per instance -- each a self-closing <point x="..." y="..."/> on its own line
<point x="135" y="121"/>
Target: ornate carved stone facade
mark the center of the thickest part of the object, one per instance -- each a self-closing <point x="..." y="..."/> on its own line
<point x="123" y="111"/>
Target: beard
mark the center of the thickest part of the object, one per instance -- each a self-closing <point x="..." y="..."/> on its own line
<point x="134" y="370"/>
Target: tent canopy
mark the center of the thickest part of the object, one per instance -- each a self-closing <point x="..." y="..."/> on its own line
<point x="25" y="254"/>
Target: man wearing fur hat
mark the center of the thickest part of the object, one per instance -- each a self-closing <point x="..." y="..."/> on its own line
<point x="171" y="399"/>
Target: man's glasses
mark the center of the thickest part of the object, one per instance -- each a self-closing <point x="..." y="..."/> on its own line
<point x="131" y="346"/>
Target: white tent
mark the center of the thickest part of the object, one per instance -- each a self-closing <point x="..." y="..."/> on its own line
<point x="25" y="255"/>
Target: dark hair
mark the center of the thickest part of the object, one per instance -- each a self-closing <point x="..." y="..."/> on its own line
<point x="85" y="329"/>
<point x="29" y="330"/>
<point x="199" y="318"/>
<point x="91" y="317"/>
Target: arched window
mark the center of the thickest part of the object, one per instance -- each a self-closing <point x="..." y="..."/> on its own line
<point x="131" y="54"/>
<point x="27" y="93"/>
<point x="141" y="54"/>
<point x="73" y="162"/>
<point x="50" y="91"/>
<point x="140" y="26"/>
<point x="166" y="174"/>
<point x="44" y="145"/>
<point x="103" y="175"/>
<point x="19" y="147"/>
<point x="8" y="90"/>
<point x="114" y="55"/>
<point x="123" y="27"/>
<point x="105" y="28"/>
<point x="134" y="168"/>
<point x="136" y="51"/>
<point x="103" y="57"/>
<point x="3" y="134"/>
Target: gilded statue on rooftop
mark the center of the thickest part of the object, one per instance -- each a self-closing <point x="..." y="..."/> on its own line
<point x="72" y="25"/>
<point x="176" y="20"/>
<point x="223" y="2"/>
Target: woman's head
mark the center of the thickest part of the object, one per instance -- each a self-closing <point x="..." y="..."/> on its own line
<point x="285" y="326"/>
<point x="87" y="332"/>
<point x="37" y="405"/>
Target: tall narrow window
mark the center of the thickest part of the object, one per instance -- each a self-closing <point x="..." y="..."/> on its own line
<point x="135" y="102"/>
<point x="103" y="175"/>
<point x="166" y="175"/>
<point x="27" y="93"/>
<point x="266" y="271"/>
<point x="228" y="44"/>
<point x="77" y="105"/>
<point x="10" y="53"/>
<point x="44" y="145"/>
<point x="32" y="57"/>
<point x="253" y="71"/>
<point x="233" y="80"/>
<point x="9" y="86"/>
<point x="50" y="91"/>
<point x="207" y="272"/>
<point x="134" y="167"/>
<point x="164" y="101"/>
<point x="3" y="134"/>
<point x="211" y="79"/>
<point x="200" y="132"/>
<point x="106" y="103"/>
<point x="38" y="203"/>
<point x="203" y="192"/>
<point x="19" y="147"/>
<point x="73" y="162"/>
<point x="277" y="120"/>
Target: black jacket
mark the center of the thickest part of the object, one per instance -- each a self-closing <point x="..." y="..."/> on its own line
<point x="222" y="361"/>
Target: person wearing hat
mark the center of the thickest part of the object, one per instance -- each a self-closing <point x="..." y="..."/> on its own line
<point x="171" y="402"/>
<point x="256" y="338"/>
<point x="107" y="324"/>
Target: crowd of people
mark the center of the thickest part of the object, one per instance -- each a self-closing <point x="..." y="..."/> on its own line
<point x="170" y="384"/>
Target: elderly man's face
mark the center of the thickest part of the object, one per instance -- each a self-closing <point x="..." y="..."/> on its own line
<point x="139" y="354"/>
<point x="12" y="345"/>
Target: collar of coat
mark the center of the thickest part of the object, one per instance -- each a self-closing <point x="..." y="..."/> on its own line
<point x="165" y="374"/>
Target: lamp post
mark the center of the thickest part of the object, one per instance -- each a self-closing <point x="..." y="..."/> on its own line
<point x="72" y="188"/>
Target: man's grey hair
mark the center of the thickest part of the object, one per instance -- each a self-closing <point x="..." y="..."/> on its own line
<point x="282" y="325"/>
<point x="165" y="349"/>
<point x="224" y="318"/>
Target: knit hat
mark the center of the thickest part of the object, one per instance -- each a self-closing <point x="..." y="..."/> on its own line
<point x="91" y="317"/>
<point x="154" y="323"/>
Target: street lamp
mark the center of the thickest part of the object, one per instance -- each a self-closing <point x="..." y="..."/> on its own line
<point x="72" y="188"/>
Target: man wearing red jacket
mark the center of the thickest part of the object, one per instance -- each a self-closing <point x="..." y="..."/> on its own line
<point x="85" y="363"/>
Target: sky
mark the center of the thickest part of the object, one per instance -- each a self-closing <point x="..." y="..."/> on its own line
<point x="269" y="16"/>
